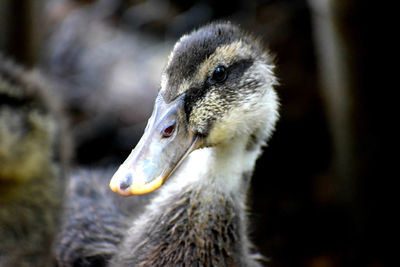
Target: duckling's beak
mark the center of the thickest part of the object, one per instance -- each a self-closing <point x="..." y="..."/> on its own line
<point x="165" y="144"/>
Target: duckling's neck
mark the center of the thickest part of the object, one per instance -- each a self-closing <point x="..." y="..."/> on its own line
<point x="225" y="167"/>
<point x="198" y="216"/>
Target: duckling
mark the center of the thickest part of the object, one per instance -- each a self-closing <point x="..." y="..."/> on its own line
<point x="32" y="167"/>
<point x="215" y="111"/>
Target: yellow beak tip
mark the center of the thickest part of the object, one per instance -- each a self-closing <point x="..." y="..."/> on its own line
<point x="138" y="187"/>
<point x="113" y="187"/>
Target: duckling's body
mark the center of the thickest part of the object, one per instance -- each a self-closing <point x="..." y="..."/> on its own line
<point x="32" y="163"/>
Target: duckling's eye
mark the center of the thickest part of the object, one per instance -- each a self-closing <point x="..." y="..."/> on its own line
<point x="169" y="130"/>
<point x="220" y="74"/>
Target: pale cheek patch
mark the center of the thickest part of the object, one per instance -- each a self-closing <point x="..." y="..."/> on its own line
<point x="236" y="122"/>
<point x="225" y="118"/>
<point x="255" y="111"/>
<point x="211" y="106"/>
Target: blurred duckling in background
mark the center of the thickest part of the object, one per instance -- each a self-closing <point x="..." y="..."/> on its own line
<point x="32" y="167"/>
<point x="95" y="219"/>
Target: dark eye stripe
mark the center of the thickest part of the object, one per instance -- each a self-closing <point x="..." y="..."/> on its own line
<point x="235" y="71"/>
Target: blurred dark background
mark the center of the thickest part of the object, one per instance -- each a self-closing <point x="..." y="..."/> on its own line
<point x="317" y="197"/>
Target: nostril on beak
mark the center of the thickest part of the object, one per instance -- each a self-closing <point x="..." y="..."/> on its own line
<point x="127" y="182"/>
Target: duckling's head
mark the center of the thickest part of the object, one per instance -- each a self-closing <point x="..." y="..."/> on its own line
<point x="217" y="87"/>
